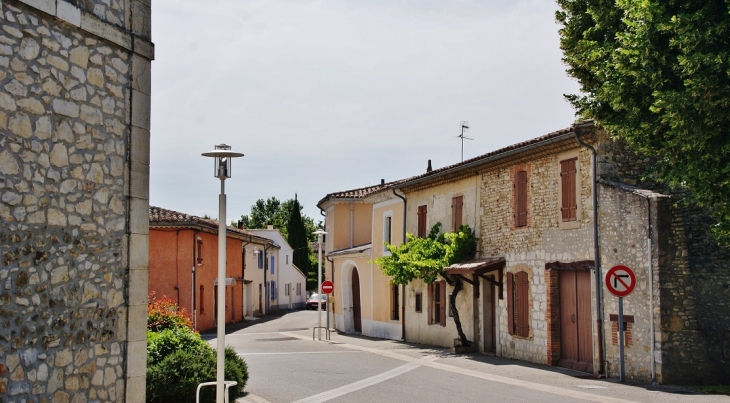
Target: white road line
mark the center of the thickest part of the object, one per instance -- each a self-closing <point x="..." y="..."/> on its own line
<point x="300" y="352"/>
<point x="428" y="362"/>
<point x="373" y="380"/>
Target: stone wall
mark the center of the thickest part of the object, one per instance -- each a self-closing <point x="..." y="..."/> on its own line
<point x="74" y="157"/>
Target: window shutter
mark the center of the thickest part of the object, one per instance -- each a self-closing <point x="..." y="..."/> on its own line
<point x="202" y="299"/>
<point x="567" y="178"/>
<point x="442" y="306"/>
<point x="523" y="307"/>
<point x="520" y="199"/>
<point x="510" y="304"/>
<point x="422" y="213"/>
<point x="430" y="303"/>
<point x="457" y="204"/>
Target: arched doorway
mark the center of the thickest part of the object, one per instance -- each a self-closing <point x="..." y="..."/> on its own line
<point x="356" y="301"/>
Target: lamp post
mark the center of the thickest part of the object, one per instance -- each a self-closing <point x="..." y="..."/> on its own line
<point x="319" y="234"/>
<point x="222" y="155"/>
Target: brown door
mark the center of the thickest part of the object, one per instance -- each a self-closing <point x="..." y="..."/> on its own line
<point x="356" y="300"/>
<point x="261" y="312"/>
<point x="576" y="349"/>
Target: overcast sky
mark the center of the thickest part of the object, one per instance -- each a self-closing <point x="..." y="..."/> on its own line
<point x="329" y="95"/>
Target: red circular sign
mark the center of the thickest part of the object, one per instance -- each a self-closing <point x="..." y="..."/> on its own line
<point x="620" y="281"/>
<point x="327" y="287"/>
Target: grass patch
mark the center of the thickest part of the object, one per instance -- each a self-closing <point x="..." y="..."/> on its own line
<point x="713" y="390"/>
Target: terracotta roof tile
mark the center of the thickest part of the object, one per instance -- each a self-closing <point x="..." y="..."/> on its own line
<point x="161" y="216"/>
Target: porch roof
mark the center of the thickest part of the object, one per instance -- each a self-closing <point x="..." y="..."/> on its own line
<point x="476" y="266"/>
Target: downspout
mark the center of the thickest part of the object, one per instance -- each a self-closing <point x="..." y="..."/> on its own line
<point x="596" y="254"/>
<point x="403" y="292"/>
<point x="267" y="296"/>
<point x="651" y="292"/>
<point x="194" y="305"/>
<point x="330" y="309"/>
<point x="243" y="277"/>
<point x="177" y="265"/>
<point x="352" y="207"/>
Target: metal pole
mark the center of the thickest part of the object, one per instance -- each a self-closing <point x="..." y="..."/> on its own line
<point x="319" y="285"/>
<point x="622" y="376"/>
<point x="220" y="317"/>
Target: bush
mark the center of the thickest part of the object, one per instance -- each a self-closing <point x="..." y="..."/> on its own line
<point x="178" y="360"/>
<point x="164" y="313"/>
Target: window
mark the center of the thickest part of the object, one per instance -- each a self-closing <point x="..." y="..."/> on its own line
<point x="457" y="212"/>
<point x="287" y="259"/>
<point x="299" y="288"/>
<point x="520" y="198"/>
<point x="569" y="205"/>
<point x="419" y="302"/>
<point x="273" y="290"/>
<point x="436" y="304"/>
<point x="199" y="251"/>
<point x="422" y="214"/>
<point x="395" y="302"/>
<point x="518" y="304"/>
<point x="202" y="299"/>
<point x="271" y="264"/>
<point x="287" y="290"/>
<point x="387" y="231"/>
<point x="261" y="259"/>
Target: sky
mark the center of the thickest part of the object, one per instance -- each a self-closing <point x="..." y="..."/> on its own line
<point x="328" y="95"/>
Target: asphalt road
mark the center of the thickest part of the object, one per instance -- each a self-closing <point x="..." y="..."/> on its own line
<point x="286" y="365"/>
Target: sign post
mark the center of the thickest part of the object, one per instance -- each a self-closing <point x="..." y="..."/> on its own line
<point x="620" y="281"/>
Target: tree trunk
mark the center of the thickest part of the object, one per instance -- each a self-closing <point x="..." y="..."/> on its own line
<point x="458" y="286"/>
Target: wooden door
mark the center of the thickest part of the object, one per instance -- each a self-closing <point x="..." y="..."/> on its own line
<point x="576" y="348"/>
<point x="356" y="300"/>
<point x="488" y="319"/>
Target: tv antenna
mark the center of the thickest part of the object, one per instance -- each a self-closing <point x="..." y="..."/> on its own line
<point x="464" y="128"/>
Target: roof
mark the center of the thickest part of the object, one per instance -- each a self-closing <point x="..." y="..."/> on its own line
<point x="347" y="251"/>
<point x="647" y="194"/>
<point x="477" y="266"/>
<point x="360" y="193"/>
<point x="160" y="217"/>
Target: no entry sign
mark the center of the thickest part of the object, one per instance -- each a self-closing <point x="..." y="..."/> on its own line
<point x="327" y="287"/>
<point x="620" y="281"/>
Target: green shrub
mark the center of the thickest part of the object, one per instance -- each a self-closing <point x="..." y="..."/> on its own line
<point x="178" y="360"/>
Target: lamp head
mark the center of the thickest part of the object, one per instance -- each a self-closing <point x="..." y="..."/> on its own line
<point x="223" y="156"/>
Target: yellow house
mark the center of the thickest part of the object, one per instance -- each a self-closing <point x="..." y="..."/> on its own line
<point x="358" y="222"/>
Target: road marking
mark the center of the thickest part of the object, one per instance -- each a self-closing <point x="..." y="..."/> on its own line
<point x="362" y="384"/>
<point x="301" y="352"/>
<point x="429" y="362"/>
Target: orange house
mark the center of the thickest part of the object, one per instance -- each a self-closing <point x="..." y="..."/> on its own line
<point x="183" y="265"/>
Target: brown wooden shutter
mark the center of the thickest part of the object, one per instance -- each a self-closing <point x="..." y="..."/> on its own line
<point x="523" y="307"/>
<point x="202" y="299"/>
<point x="430" y="303"/>
<point x="457" y="204"/>
<point x="443" y="303"/>
<point x="510" y="304"/>
<point x="520" y="198"/>
<point x="567" y="178"/>
<point x="422" y="214"/>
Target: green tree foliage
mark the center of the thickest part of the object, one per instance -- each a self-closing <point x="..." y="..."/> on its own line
<point x="426" y="258"/>
<point x="277" y="213"/>
<point x="298" y="237"/>
<point x="657" y="74"/>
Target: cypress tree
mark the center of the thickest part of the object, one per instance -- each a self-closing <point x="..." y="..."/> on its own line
<point x="297" y="237"/>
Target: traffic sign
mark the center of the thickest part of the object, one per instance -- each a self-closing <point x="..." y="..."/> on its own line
<point x="327" y="287"/>
<point x="620" y="281"/>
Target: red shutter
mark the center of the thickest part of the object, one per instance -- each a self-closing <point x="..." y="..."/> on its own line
<point x="443" y="303"/>
<point x="456" y="212"/>
<point x="520" y="199"/>
<point x="523" y="306"/>
<point x="430" y="303"/>
<point x="510" y="304"/>
<point x="422" y="214"/>
<point x="567" y="178"/>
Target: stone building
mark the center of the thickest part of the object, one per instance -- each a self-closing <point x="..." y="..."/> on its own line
<point x="553" y="215"/>
<point x="74" y="166"/>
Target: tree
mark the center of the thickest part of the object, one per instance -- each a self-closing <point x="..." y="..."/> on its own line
<point x="298" y="237"/>
<point x="426" y="258"/>
<point x="274" y="212"/>
<point x="656" y="73"/>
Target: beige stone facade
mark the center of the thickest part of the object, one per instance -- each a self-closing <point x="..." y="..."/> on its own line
<point x="74" y="159"/>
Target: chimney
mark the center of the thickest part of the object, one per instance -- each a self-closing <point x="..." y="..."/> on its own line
<point x="240" y="224"/>
<point x="429" y="169"/>
<point x="382" y="182"/>
<point x="270" y="226"/>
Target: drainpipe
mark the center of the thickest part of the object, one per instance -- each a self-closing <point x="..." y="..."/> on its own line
<point x="194" y="305"/>
<point x="403" y="292"/>
<point x="651" y="291"/>
<point x="267" y="287"/>
<point x="243" y="274"/>
<point x="352" y="207"/>
<point x="331" y="309"/>
<point x="596" y="253"/>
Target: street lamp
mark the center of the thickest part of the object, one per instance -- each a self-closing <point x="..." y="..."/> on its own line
<point x="222" y="155"/>
<point x="319" y="234"/>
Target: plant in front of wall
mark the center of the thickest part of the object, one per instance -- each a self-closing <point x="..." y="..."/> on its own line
<point x="426" y="258"/>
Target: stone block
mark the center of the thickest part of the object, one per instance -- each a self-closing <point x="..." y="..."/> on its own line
<point x="141" y="74"/>
<point x="138" y="251"/>
<point x="135" y="392"/>
<point x="140" y="181"/>
<point x="141" y="18"/>
<point x="69" y="13"/>
<point x="94" y="25"/>
<point x="137" y="359"/>
<point x="47" y="6"/>
<point x="137" y="323"/>
<point x="140" y="110"/>
<point x="138" y="287"/>
<point x="139" y="222"/>
<point x="140" y="148"/>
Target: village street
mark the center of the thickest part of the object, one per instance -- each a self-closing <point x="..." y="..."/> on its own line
<point x="286" y="365"/>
